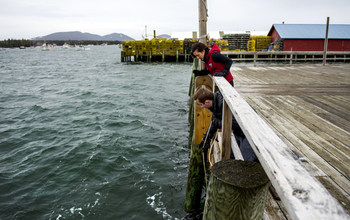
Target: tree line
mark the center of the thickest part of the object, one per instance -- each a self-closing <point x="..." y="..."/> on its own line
<point x="11" y="43"/>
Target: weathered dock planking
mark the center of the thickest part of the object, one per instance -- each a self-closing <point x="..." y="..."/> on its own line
<point x="308" y="107"/>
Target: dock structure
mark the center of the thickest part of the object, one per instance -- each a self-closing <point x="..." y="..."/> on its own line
<point x="308" y="107"/>
<point x="299" y="129"/>
<point x="291" y="57"/>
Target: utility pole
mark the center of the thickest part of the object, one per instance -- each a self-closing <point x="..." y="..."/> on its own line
<point x="325" y="43"/>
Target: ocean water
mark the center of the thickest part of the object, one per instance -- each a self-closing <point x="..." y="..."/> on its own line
<point x="84" y="136"/>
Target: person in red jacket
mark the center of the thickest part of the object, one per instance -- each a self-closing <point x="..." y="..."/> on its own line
<point x="216" y="64"/>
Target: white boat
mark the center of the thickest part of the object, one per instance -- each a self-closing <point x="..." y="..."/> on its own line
<point x="81" y="47"/>
<point x="65" y="46"/>
<point x="46" y="47"/>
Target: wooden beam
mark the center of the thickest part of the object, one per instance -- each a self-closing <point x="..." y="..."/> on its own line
<point x="235" y="148"/>
<point x="303" y="196"/>
<point x="202" y="116"/>
<point x="226" y="131"/>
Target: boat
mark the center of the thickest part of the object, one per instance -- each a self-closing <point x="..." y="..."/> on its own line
<point x="22" y="47"/>
<point x="65" y="46"/>
<point x="46" y="47"/>
<point x="81" y="47"/>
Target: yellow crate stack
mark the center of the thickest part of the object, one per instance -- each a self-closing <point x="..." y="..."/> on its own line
<point x="222" y="44"/>
<point x="261" y="42"/>
<point x="127" y="47"/>
<point x="251" y="45"/>
<point x="188" y="43"/>
<point x="156" y="46"/>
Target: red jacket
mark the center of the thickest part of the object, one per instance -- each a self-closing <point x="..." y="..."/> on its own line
<point x="216" y="67"/>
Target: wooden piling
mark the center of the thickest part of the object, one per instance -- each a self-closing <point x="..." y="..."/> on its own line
<point x="237" y="190"/>
<point x="201" y="119"/>
<point x="122" y="55"/>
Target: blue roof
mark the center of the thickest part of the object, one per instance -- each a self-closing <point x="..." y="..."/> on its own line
<point x="312" y="31"/>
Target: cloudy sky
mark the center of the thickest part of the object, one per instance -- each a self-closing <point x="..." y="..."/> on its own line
<point x="31" y="18"/>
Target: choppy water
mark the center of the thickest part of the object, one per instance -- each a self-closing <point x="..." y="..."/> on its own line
<point x="83" y="136"/>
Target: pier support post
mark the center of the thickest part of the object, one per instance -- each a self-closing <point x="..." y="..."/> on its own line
<point x="163" y="56"/>
<point x="195" y="180"/>
<point x="201" y="120"/>
<point x="177" y="56"/>
<point x="237" y="190"/>
<point x="122" y="56"/>
<point x="137" y="56"/>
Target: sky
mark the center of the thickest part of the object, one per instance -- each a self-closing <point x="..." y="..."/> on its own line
<point x="32" y="18"/>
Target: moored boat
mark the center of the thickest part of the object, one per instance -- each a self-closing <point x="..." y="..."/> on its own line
<point x="47" y="47"/>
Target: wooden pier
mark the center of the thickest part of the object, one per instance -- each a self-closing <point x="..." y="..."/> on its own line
<point x="290" y="56"/>
<point x="308" y="106"/>
<point x="149" y="57"/>
<point x="300" y="131"/>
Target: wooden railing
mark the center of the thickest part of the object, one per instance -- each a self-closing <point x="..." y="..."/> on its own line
<point x="302" y="194"/>
<point x="288" y="56"/>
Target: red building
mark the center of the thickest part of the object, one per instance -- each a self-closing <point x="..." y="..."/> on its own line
<point x="310" y="37"/>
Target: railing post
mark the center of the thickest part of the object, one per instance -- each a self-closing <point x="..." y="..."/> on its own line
<point x="325" y="43"/>
<point x="226" y="131"/>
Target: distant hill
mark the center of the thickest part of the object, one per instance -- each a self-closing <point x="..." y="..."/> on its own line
<point x="164" y="36"/>
<point x="77" y="35"/>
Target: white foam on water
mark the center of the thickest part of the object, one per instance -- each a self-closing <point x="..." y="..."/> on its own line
<point x="158" y="206"/>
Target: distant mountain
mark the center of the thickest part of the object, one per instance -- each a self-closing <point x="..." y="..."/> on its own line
<point x="77" y="35"/>
<point x="164" y="36"/>
<point x="116" y="36"/>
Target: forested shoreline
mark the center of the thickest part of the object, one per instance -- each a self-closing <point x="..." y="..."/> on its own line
<point x="13" y="43"/>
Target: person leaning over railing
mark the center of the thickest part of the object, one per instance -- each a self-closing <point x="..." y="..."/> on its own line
<point x="214" y="102"/>
<point x="216" y="64"/>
